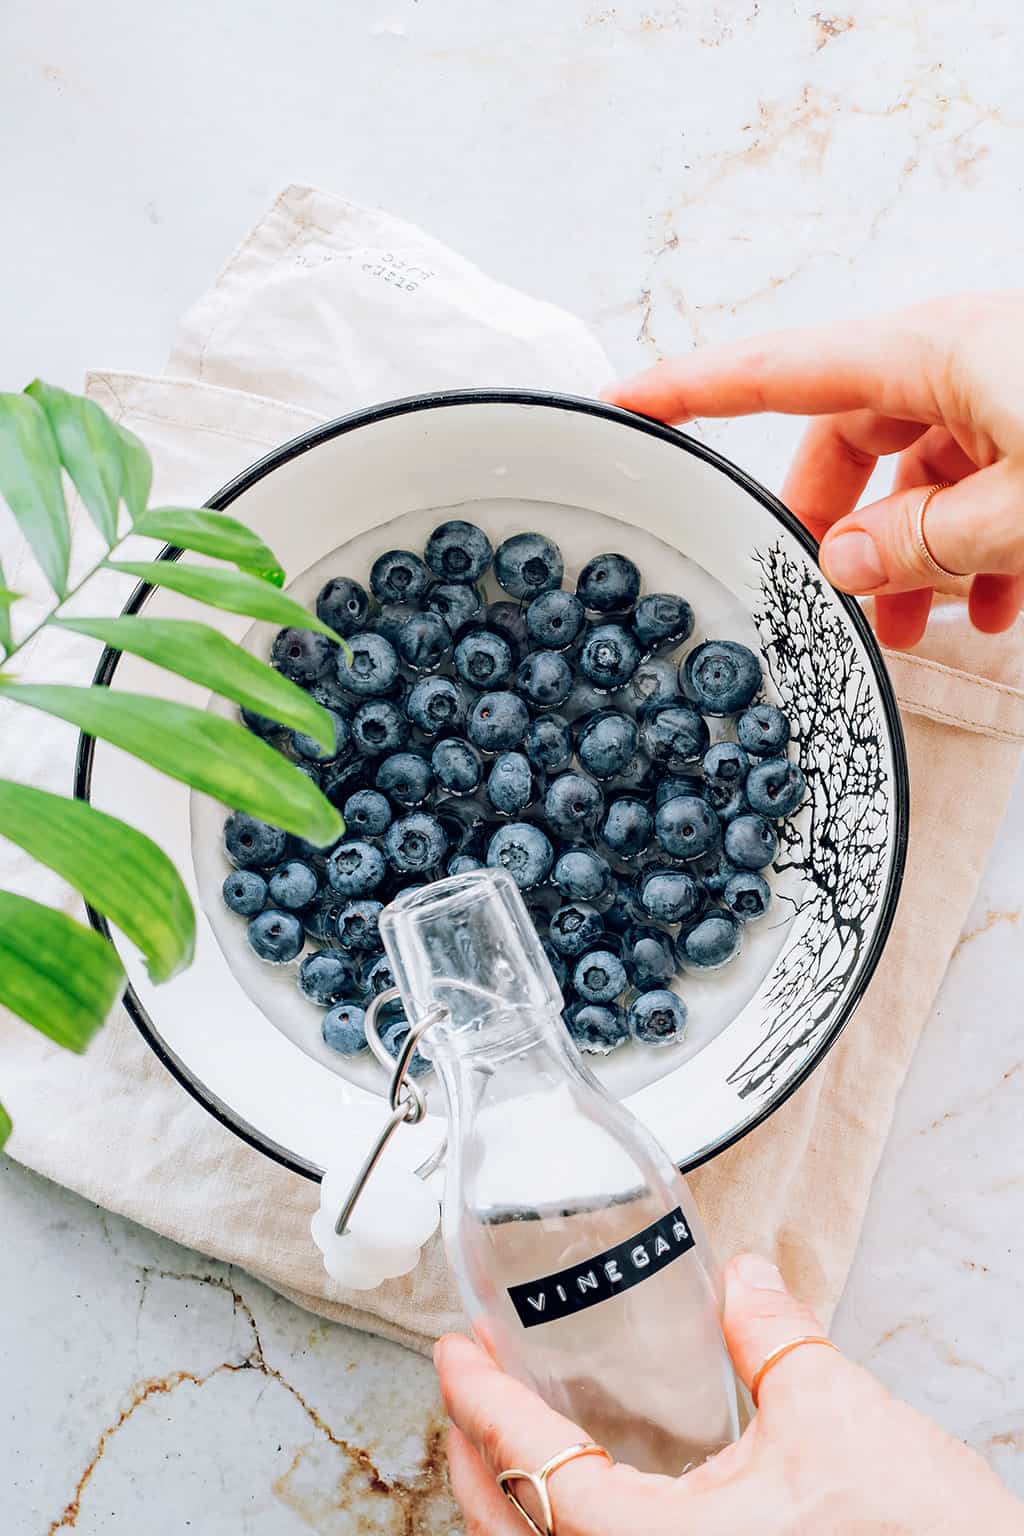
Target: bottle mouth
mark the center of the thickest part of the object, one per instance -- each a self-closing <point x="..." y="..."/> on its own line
<point x="444" y="898"/>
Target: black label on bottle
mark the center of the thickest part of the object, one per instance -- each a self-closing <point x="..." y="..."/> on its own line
<point x="598" y="1279"/>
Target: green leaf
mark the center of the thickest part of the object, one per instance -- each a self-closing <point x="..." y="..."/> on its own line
<point x="5" y="1125"/>
<point x="30" y="484"/>
<point x="214" y="534"/>
<point x="205" y="656"/>
<point x="136" y="472"/>
<point x="211" y="754"/>
<point x="55" y="973"/>
<point x="119" y="871"/>
<point x="234" y="591"/>
<point x="7" y="599"/>
<point x="90" y="451"/>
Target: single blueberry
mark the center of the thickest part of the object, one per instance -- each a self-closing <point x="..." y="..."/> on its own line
<point x="657" y="1018"/>
<point x="355" y="869"/>
<point x="378" y="727"/>
<point x="436" y="704"/>
<point x="327" y="976"/>
<point x="669" y="895"/>
<point x="252" y="844"/>
<point x="654" y="684"/>
<point x="244" y="892"/>
<point x="599" y="977"/>
<point x="725" y="765"/>
<point x="458" y="766"/>
<point x="573" y="805"/>
<point x="358" y="927"/>
<point x="393" y="1028"/>
<point x="674" y="736"/>
<point x="399" y="576"/>
<point x="462" y="864"/>
<point x="545" y="677"/>
<point x="371" y="670"/>
<point x="405" y="777"/>
<point x="555" y="620"/>
<point x="608" y="584"/>
<point x="509" y="621"/>
<point x="527" y="564"/>
<point x="524" y="851"/>
<point x="498" y="722"/>
<point x="775" y="787"/>
<point x="344" y="1029"/>
<point x="391" y="619"/>
<point x="662" y="620"/>
<point x="648" y="958"/>
<point x="607" y="743"/>
<point x="548" y="743"/>
<point x="276" y="936"/>
<point x="686" y="827"/>
<point x="379" y="977"/>
<point x="302" y="655"/>
<point x="424" y="641"/>
<point x="626" y="829"/>
<point x="309" y="747"/>
<point x="415" y="843"/>
<point x="293" y="885"/>
<point x="457" y="605"/>
<point x="711" y="943"/>
<point x="596" y="1028"/>
<point x="320" y="919"/>
<point x="260" y="725"/>
<point x="722" y="676"/>
<point x="584" y="700"/>
<point x="367" y="812"/>
<point x="678" y="784"/>
<point x="458" y="551"/>
<point x="747" y="895"/>
<point x="510" y="783"/>
<point x="343" y="604"/>
<point x="764" y="730"/>
<point x="575" y="927"/>
<point x="556" y="962"/>
<point x="609" y="657"/>
<point x="483" y="658"/>
<point x="751" y="842"/>
<point x="582" y="875"/>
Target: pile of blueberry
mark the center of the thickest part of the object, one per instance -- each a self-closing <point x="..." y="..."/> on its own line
<point x="552" y="733"/>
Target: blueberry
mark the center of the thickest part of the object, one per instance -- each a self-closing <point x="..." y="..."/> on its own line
<point x="548" y="744"/>
<point x="728" y="803"/>
<point x="252" y="844"/>
<point x="379" y="977"/>
<point x="328" y="691"/>
<point x="462" y="864"/>
<point x="764" y="730"/>
<point x="399" y="576"/>
<point x="367" y="812"/>
<point x="405" y="777"/>
<point x="293" y="885"/>
<point x="343" y="604"/>
<point x="747" y="895"/>
<point x="711" y="944"/>
<point x="302" y="655"/>
<point x="355" y="869"/>
<point x="608" y="584"/>
<point x="320" y="919"/>
<point x="527" y="564"/>
<point x="415" y="843"/>
<point x="436" y="704"/>
<point x="555" y="620"/>
<point x="498" y="722"/>
<point x="509" y="621"/>
<point x="596" y="1028"/>
<point x="393" y="1028"/>
<point x="524" y="851"/>
<point x="457" y="605"/>
<point x="599" y="977"/>
<point x="372" y="669"/>
<point x="725" y="765"/>
<point x="626" y="829"/>
<point x="722" y="676"/>
<point x="609" y="656"/>
<point x="607" y="743"/>
<point x="751" y="842"/>
<point x="458" y="551"/>
<point x="260" y="725"/>
<point x="338" y="783"/>
<point x="775" y="787"/>
<point x="574" y="927"/>
<point x="309" y="747"/>
<point x="358" y="927"/>
<point x="573" y="805"/>
<point x="276" y="936"/>
<point x="648" y="958"/>
<point x="327" y="976"/>
<point x="624" y="911"/>
<point x="687" y="827"/>
<point x="458" y="766"/>
<point x="465" y="827"/>
<point x="545" y="677"/>
<point x="244" y="892"/>
<point x="654" y="684"/>
<point x="391" y="620"/>
<point x="716" y="873"/>
<point x="483" y="659"/>
<point x="344" y="1029"/>
<point x="424" y="641"/>
<point x="657" y="1018"/>
<point x="556" y="962"/>
<point x="582" y="875"/>
<point x="678" y="784"/>
<point x="662" y="620"/>
<point x="669" y="895"/>
<point x="379" y="727"/>
<point x="510" y="783"/>
<point x="674" y="736"/>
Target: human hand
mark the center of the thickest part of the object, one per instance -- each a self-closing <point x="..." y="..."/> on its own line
<point x="829" y="1452"/>
<point x="942" y="386"/>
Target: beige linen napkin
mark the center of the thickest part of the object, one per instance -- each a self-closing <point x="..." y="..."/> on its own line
<point x="326" y="306"/>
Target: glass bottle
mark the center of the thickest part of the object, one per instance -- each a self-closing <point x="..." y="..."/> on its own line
<point x="572" y="1238"/>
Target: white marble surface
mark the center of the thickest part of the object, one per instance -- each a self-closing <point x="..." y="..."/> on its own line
<point x="675" y="172"/>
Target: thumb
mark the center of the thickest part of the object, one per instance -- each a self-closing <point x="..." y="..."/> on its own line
<point x="761" y="1316"/>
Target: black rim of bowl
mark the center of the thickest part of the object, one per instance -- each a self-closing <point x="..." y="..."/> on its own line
<point x="900" y="805"/>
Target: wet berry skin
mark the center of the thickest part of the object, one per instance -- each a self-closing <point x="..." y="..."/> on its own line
<point x="524" y="850"/>
<point x="627" y="827"/>
<point x="327" y="976"/>
<point x="302" y="655"/>
<point x="775" y="787"/>
<point x="609" y="656"/>
<point x="343" y="604"/>
<point x="544" y="678"/>
<point x="457" y="766"/>
<point x="252" y="844"/>
<point x="662" y="620"/>
<point x="399" y="576"/>
<point x="555" y="620"/>
<point x="573" y="806"/>
<point x="528" y="564"/>
<point x="498" y="722"/>
<point x="483" y="659"/>
<point x="599" y="976"/>
<point x="406" y="778"/>
<point x="751" y="842"/>
<point x="415" y="843"/>
<point x="686" y="827"/>
<point x="371" y="670"/>
<point x="355" y="869"/>
<point x="764" y="730"/>
<point x="674" y="737"/>
<point x="276" y="937"/>
<point x="367" y="813"/>
<point x="657" y="1017"/>
<point x="721" y="676"/>
<point x="458" y="551"/>
<point x="548" y="743"/>
<point x="343" y="1028"/>
<point x="711" y="943"/>
<point x="244" y="892"/>
<point x="574" y="927"/>
<point x="608" y="584"/>
<point x="747" y="895"/>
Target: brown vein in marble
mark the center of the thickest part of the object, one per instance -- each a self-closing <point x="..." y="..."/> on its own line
<point x="406" y="1500"/>
<point x="828" y="27"/>
<point x="992" y="919"/>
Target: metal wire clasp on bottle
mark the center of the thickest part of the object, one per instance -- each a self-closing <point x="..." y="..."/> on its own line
<point x="407" y="1107"/>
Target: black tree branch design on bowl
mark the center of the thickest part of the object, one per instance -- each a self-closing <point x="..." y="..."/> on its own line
<point x="837" y="845"/>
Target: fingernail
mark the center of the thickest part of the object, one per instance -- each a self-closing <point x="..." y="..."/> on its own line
<point x="851" y="562"/>
<point x="759" y="1273"/>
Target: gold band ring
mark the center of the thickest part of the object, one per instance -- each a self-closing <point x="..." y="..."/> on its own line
<point x="921" y="539"/>
<point x="539" y="1483"/>
<point x="781" y="1353"/>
